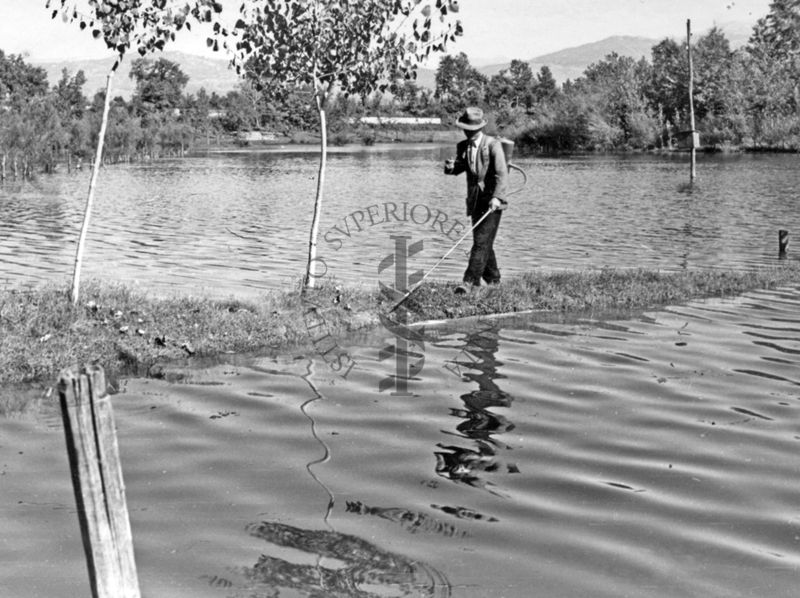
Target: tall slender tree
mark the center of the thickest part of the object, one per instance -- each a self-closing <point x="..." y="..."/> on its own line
<point x="458" y="83"/>
<point x="668" y="86"/>
<point x="160" y="85"/>
<point x="514" y="86"/>
<point x="142" y="25"/>
<point x="334" y="46"/>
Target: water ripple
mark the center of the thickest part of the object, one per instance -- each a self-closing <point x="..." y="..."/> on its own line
<point x="238" y="223"/>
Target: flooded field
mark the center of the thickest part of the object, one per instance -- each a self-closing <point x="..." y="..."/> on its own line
<point x="238" y="224"/>
<point x="652" y="455"/>
<point x="648" y="454"/>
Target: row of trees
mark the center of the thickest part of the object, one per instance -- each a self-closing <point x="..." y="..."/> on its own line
<point x="748" y="97"/>
<point x="744" y="97"/>
<point x="42" y="126"/>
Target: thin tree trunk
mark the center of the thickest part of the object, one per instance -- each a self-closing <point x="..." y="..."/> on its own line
<point x="98" y="158"/>
<point x="312" y="241"/>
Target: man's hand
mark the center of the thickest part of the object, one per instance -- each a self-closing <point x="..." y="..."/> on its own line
<point x="496" y="204"/>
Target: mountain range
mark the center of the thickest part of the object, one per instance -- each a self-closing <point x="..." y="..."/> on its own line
<point x="214" y="75"/>
<point x="570" y="63"/>
<point x="211" y="73"/>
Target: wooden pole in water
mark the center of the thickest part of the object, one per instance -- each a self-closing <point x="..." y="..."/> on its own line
<point x="783" y="243"/>
<point x="97" y="482"/>
<point x="693" y="166"/>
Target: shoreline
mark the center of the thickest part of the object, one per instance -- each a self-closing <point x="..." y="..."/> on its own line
<point x="313" y="148"/>
<point x="134" y="334"/>
<point x="389" y="146"/>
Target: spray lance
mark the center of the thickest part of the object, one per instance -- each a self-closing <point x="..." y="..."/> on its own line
<point x="508" y="151"/>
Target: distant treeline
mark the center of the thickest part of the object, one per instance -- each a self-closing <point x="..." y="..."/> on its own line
<point x="41" y="126"/>
<point x="747" y="98"/>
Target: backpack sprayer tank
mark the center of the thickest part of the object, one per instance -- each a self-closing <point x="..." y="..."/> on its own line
<point x="508" y="151"/>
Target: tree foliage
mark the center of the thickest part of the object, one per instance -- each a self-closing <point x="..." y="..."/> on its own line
<point x="777" y="35"/>
<point x="30" y="134"/>
<point x="160" y="85"/>
<point x="351" y="46"/>
<point x="775" y="52"/>
<point x="668" y="88"/>
<point x="615" y="87"/>
<point x="515" y="85"/>
<point x="142" y="25"/>
<point x="458" y="83"/>
<point x="69" y="97"/>
<point x="20" y="80"/>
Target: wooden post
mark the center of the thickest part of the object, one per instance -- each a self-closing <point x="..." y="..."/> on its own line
<point x="97" y="482"/>
<point x="783" y="243"/>
<point x="693" y="166"/>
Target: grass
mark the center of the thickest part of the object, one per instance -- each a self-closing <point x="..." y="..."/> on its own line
<point x="131" y="333"/>
<point x="595" y="290"/>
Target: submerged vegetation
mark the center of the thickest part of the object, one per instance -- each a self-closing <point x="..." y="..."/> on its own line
<point x="131" y="333"/>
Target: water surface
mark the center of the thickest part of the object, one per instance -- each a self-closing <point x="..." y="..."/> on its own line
<point x="649" y="456"/>
<point x="239" y="223"/>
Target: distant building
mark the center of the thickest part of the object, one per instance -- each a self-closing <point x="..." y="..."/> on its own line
<point x="399" y="120"/>
<point x="255" y="136"/>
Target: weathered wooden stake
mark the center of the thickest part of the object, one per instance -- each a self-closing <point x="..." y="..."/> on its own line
<point x="97" y="481"/>
<point x="783" y="243"/>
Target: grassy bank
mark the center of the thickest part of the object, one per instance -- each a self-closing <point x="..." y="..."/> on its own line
<point x="131" y="333"/>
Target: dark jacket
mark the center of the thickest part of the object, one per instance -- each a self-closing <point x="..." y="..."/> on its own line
<point x="490" y="178"/>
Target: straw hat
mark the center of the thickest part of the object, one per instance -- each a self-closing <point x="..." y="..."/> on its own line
<point x="471" y="120"/>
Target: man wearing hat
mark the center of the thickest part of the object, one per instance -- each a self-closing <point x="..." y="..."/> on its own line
<point x="482" y="158"/>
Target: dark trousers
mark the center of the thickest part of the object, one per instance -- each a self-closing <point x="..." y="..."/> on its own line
<point x="482" y="263"/>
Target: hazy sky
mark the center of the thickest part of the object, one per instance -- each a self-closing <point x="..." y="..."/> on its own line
<point x="494" y="29"/>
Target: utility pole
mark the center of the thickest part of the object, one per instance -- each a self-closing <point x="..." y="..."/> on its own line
<point x="694" y="136"/>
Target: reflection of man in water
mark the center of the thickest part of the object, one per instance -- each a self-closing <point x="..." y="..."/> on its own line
<point x="366" y="571"/>
<point x="477" y="362"/>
